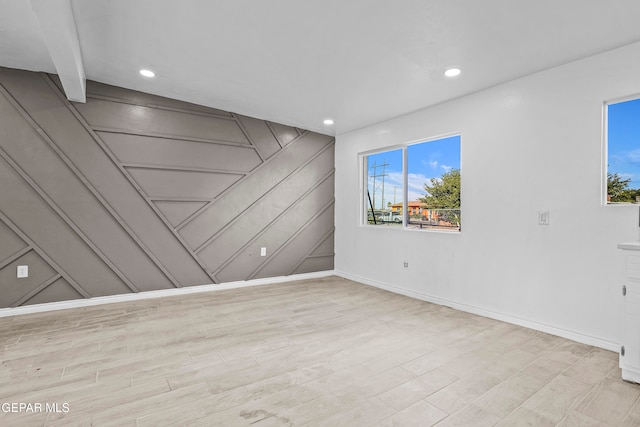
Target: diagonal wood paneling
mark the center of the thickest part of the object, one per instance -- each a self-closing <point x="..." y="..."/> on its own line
<point x="62" y="214"/>
<point x="308" y="209"/>
<point x="36" y="291"/>
<point x="312" y="264"/>
<point x="17" y="292"/>
<point x="66" y="192"/>
<point x="163" y="183"/>
<point x="11" y="243"/>
<point x="324" y="247"/>
<point x="180" y="153"/>
<point x="59" y="290"/>
<point x="102" y="114"/>
<point x="177" y="211"/>
<point x="30" y="212"/>
<point x="284" y="134"/>
<point x="261" y="136"/>
<point x="284" y="196"/>
<point x="296" y="250"/>
<point x="320" y="258"/>
<point x="39" y="273"/>
<point x="316" y="256"/>
<point x="42" y="254"/>
<point x="15" y="256"/>
<point x="252" y="188"/>
<point x="50" y="114"/>
<point x="104" y="91"/>
<point x="135" y="192"/>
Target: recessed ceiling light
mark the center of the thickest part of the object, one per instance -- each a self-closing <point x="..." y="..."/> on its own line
<point x="328" y="121"/>
<point x="147" y="73"/>
<point x="452" y="72"/>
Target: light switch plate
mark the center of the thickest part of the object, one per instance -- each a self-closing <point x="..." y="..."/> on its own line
<point x="263" y="251"/>
<point x="23" y="271"/>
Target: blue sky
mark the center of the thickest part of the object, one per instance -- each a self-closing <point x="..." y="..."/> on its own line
<point x="425" y="161"/>
<point x="623" y="140"/>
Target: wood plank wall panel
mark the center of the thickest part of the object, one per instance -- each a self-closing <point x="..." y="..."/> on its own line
<point x="103" y="91"/>
<point x="169" y="184"/>
<point x="11" y="243"/>
<point x="305" y="212"/>
<point x="54" y="115"/>
<point x="325" y="247"/>
<point x="285" y="134"/>
<point x="137" y="149"/>
<point x="59" y="290"/>
<point x="262" y="136"/>
<point x="287" y="259"/>
<point x="315" y="264"/>
<point x="133" y="192"/>
<point x="266" y="210"/>
<point x="177" y="211"/>
<point x="156" y="121"/>
<point x="30" y="213"/>
<point x="39" y="273"/>
<point x="49" y="173"/>
<point x="320" y="259"/>
<point x="253" y="187"/>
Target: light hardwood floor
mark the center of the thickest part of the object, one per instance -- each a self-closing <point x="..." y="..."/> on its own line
<point x="326" y="352"/>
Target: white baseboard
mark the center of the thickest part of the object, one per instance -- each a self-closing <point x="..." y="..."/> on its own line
<point x="571" y="335"/>
<point x="63" y="305"/>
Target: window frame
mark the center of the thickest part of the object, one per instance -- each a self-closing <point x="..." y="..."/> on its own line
<point x="364" y="185"/>
<point x="604" y="168"/>
<point x="364" y="182"/>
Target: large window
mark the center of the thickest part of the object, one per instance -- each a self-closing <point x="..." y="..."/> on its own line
<point x="623" y="152"/>
<point x="415" y="186"/>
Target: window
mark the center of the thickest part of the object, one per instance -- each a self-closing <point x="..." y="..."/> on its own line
<point x="623" y="152"/>
<point x="414" y="186"/>
<point x="384" y="188"/>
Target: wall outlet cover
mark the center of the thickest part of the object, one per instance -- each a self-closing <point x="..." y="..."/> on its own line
<point x="23" y="271"/>
<point x="543" y="218"/>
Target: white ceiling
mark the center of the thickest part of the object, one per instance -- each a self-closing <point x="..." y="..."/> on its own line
<point x="300" y="61"/>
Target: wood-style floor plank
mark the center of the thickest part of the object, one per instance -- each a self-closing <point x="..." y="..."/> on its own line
<point x="325" y="352"/>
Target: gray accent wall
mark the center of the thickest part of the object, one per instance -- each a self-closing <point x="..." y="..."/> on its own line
<point x="132" y="192"/>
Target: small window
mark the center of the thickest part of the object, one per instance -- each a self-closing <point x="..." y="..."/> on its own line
<point x="623" y="152"/>
<point x="416" y="186"/>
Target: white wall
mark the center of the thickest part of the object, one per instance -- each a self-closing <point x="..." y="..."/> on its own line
<point x="529" y="145"/>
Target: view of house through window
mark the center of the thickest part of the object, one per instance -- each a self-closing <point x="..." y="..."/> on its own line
<point x="431" y="174"/>
<point x="623" y="152"/>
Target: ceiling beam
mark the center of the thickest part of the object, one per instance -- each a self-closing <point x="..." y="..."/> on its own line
<point x="59" y="31"/>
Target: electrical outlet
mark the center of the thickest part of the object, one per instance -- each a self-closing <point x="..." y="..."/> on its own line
<point x="543" y="218"/>
<point x="23" y="271"/>
<point x="406" y="264"/>
<point x="263" y="251"/>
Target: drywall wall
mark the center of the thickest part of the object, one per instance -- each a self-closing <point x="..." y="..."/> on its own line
<point x="132" y="192"/>
<point x="529" y="145"/>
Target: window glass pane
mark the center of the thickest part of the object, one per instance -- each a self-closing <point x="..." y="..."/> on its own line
<point x="623" y="145"/>
<point x="385" y="189"/>
<point x="433" y="183"/>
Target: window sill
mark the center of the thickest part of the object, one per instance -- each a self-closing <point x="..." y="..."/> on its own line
<point x="411" y="230"/>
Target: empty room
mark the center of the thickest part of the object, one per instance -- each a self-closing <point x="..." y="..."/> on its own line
<point x="319" y="213"/>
